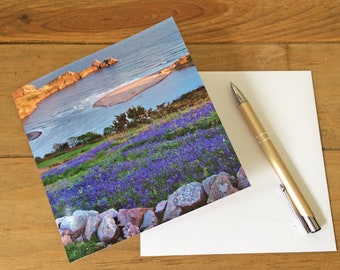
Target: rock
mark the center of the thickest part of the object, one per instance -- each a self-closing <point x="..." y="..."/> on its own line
<point x="183" y="62"/>
<point x="242" y="179"/>
<point x="111" y="213"/>
<point x="33" y="135"/>
<point x="96" y="63"/>
<point x="91" y="227"/>
<point x="66" y="240"/>
<point x="86" y="72"/>
<point x="60" y="82"/>
<point x="160" y="208"/>
<point x="108" y="62"/>
<point x="130" y="230"/>
<point x="107" y="230"/>
<point x="22" y="91"/>
<point x="101" y="244"/>
<point x="218" y="186"/>
<point x="207" y="183"/>
<point x="149" y="220"/>
<point x="133" y="216"/>
<point x="80" y="219"/>
<point x="79" y="239"/>
<point x="64" y="223"/>
<point x="28" y="97"/>
<point x="58" y="221"/>
<point x="184" y="199"/>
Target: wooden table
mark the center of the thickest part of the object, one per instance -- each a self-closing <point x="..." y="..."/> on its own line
<point x="38" y="36"/>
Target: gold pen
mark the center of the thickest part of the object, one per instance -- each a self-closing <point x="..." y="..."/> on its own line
<point x="288" y="185"/>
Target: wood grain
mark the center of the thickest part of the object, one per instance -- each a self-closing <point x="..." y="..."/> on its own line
<point x="39" y="36"/>
<point x="200" y="21"/>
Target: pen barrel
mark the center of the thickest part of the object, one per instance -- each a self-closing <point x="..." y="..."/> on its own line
<point x="275" y="160"/>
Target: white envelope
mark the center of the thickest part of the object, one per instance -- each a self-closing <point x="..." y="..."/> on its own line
<point x="258" y="219"/>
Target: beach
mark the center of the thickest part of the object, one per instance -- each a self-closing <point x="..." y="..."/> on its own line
<point x="127" y="92"/>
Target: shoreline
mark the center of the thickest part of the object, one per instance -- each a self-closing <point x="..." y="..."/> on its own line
<point x="128" y="92"/>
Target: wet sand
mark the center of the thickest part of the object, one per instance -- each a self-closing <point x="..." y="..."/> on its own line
<point x="131" y="90"/>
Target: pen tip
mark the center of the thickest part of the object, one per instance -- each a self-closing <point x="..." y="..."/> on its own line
<point x="239" y="97"/>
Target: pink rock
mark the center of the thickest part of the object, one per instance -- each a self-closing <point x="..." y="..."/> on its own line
<point x="130" y="230"/>
<point x="185" y="199"/>
<point x="133" y="216"/>
<point x="242" y="179"/>
<point x="207" y="183"/>
<point x="218" y="186"/>
<point x="66" y="239"/>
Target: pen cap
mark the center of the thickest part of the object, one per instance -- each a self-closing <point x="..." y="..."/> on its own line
<point x="309" y="223"/>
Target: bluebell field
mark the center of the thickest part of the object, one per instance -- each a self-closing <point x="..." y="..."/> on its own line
<point x="146" y="168"/>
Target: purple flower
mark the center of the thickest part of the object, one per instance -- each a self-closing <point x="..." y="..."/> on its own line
<point x="148" y="167"/>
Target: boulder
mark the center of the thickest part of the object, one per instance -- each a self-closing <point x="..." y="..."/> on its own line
<point x="80" y="219"/>
<point x="184" y="199"/>
<point x="130" y="230"/>
<point x="133" y="216"/>
<point x="91" y="227"/>
<point x="207" y="183"/>
<point x="242" y="179"/>
<point x="28" y="97"/>
<point x="218" y="186"/>
<point x="64" y="223"/>
<point x="108" y="62"/>
<point x="160" y="208"/>
<point x="111" y="213"/>
<point x="66" y="240"/>
<point x="149" y="220"/>
<point x="107" y="230"/>
<point x="96" y="63"/>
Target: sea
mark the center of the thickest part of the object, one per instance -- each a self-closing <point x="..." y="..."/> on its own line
<point x="70" y="112"/>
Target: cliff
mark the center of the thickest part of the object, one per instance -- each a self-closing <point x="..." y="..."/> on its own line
<point x="28" y="97"/>
<point x="182" y="62"/>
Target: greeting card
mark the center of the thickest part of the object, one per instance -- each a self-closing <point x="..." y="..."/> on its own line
<point x="127" y="139"/>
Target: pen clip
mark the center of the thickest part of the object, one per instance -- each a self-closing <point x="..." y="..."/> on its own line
<point x="296" y="212"/>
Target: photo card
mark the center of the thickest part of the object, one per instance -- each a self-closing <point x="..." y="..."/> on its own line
<point x="127" y="139"/>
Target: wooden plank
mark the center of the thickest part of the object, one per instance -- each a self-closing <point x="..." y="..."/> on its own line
<point x="199" y="21"/>
<point x="232" y="57"/>
<point x="23" y="63"/>
<point x="30" y="239"/>
<point x="323" y="60"/>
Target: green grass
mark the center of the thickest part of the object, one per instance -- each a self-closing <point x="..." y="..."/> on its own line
<point x="68" y="155"/>
<point x="78" y="250"/>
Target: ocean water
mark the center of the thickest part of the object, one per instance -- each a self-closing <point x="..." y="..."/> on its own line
<point x="69" y="113"/>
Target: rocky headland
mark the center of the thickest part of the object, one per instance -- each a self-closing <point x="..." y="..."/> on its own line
<point x="129" y="91"/>
<point x="28" y="97"/>
<point x="113" y="226"/>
